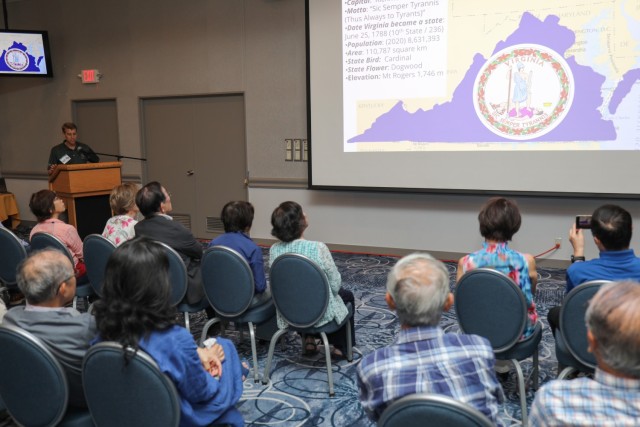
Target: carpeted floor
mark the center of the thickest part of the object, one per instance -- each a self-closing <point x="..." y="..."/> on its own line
<point x="297" y="394"/>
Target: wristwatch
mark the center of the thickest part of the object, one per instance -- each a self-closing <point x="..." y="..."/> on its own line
<point x="577" y="258"/>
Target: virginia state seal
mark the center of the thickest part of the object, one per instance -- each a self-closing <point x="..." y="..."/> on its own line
<point x="523" y="91"/>
<point x="16" y="59"/>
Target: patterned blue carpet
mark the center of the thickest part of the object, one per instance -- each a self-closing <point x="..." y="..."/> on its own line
<point x="297" y="394"/>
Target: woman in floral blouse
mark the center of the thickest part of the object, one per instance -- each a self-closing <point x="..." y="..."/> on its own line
<point x="499" y="220"/>
<point x="119" y="227"/>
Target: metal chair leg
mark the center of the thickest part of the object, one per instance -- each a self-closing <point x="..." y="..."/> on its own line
<point x="349" y="347"/>
<point x="254" y="352"/>
<point x="186" y="321"/>
<point x="327" y="355"/>
<point x="522" y="391"/>
<point x="566" y="372"/>
<point x="207" y="326"/>
<point x="536" y="373"/>
<point x="272" y="345"/>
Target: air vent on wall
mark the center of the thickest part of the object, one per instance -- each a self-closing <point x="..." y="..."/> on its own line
<point x="184" y="219"/>
<point x="214" y="225"/>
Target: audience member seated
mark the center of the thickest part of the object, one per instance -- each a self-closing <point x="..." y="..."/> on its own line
<point x="611" y="228"/>
<point x="237" y="218"/>
<point x="47" y="280"/>
<point x="499" y="220"/>
<point x="289" y="223"/>
<point x="135" y="311"/>
<point x="613" y="396"/>
<point x="24" y="243"/>
<point x="154" y="203"/>
<point x="120" y="227"/>
<point x="424" y="359"/>
<point x="47" y="207"/>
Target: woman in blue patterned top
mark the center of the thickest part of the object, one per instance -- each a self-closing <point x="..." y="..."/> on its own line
<point x="289" y="222"/>
<point x="499" y="220"/>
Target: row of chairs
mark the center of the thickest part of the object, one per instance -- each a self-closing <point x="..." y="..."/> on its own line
<point x="295" y="278"/>
<point x="229" y="289"/>
<point x="481" y="291"/>
<point x="35" y="392"/>
<point x="13" y="252"/>
<point x="228" y="283"/>
<point x="134" y="392"/>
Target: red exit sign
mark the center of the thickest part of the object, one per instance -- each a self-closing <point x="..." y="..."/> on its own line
<point x="90" y="76"/>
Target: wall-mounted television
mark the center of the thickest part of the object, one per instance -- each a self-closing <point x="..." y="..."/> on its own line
<point x="25" y="53"/>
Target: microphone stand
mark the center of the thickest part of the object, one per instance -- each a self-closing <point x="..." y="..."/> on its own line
<point x="119" y="157"/>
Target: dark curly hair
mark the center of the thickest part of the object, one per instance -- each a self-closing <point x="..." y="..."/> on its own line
<point x="41" y="204"/>
<point x="499" y="219"/>
<point x="288" y="222"/>
<point x="136" y="293"/>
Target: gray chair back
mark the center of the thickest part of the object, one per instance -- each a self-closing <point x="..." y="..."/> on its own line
<point x="12" y="254"/>
<point x="422" y="410"/>
<point x="491" y="305"/>
<point x="228" y="281"/>
<point x="96" y="250"/>
<point x="300" y="290"/>
<point x="33" y="384"/>
<point x="46" y="241"/>
<point x="128" y="392"/>
<point x="177" y="274"/>
<point x="572" y="325"/>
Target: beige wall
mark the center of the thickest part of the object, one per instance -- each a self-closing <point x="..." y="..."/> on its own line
<point x="158" y="48"/>
<point x="154" y="48"/>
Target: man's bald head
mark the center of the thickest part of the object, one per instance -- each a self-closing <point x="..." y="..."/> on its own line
<point x="40" y="275"/>
<point x="613" y="318"/>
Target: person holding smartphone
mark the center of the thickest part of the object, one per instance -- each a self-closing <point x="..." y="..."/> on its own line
<point x="611" y="227"/>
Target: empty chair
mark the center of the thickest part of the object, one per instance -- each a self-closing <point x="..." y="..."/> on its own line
<point x="571" y="342"/>
<point x="33" y="384"/>
<point x="300" y="291"/>
<point x="12" y="254"/>
<point x="128" y="390"/>
<point x="46" y="240"/>
<point x="178" y="278"/>
<point x="422" y="410"/>
<point x="229" y="288"/>
<point x="96" y="250"/>
<point x="491" y="305"/>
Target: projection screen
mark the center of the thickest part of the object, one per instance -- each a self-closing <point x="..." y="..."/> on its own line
<point x="466" y="96"/>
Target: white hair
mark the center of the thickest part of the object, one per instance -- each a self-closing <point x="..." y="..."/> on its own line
<point x="40" y="275"/>
<point x="419" y="285"/>
<point x="614" y="320"/>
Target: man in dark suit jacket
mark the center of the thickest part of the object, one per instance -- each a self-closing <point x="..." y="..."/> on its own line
<point x="154" y="203"/>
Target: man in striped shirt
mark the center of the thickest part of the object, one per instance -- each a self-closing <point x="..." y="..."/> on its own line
<point x="424" y="359"/>
<point x="612" y="398"/>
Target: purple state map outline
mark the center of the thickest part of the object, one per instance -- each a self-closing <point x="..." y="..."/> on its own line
<point x="456" y="120"/>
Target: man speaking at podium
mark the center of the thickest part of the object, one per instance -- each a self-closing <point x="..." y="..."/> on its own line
<point x="70" y="151"/>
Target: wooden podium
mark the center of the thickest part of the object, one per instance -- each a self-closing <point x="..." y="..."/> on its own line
<point x="85" y="190"/>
